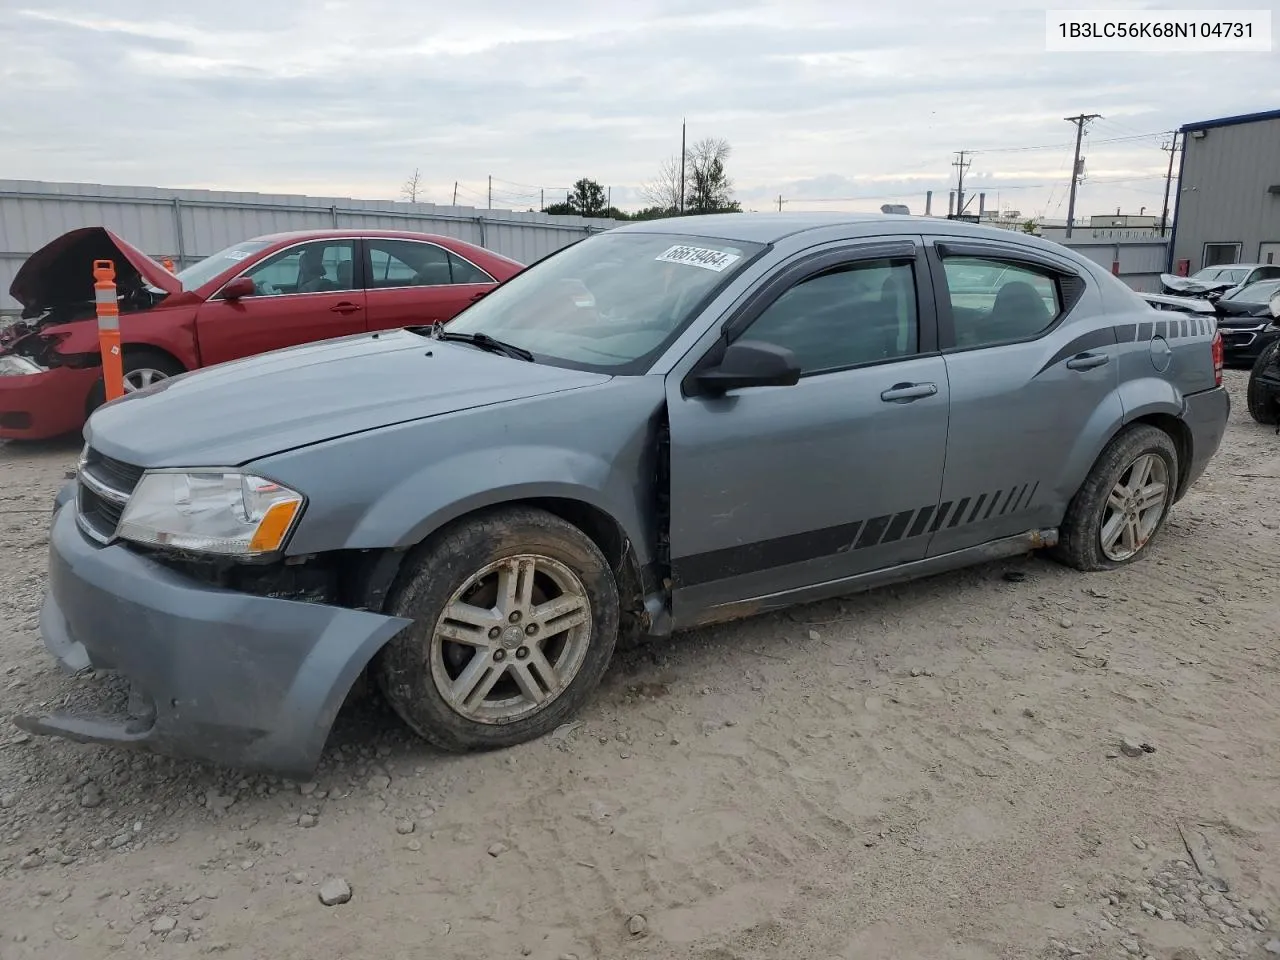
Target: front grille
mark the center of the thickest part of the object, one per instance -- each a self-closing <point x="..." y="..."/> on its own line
<point x="105" y="486"/>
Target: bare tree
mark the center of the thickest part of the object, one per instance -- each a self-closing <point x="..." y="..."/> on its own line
<point x="663" y="191"/>
<point x="708" y="188"/>
<point x="412" y="187"/>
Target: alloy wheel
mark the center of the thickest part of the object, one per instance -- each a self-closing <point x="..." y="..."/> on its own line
<point x="511" y="639"/>
<point x="1135" y="507"/>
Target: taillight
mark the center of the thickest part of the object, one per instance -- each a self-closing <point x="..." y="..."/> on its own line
<point x="1217" y="357"/>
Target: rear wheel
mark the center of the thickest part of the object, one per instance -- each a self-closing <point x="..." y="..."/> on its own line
<point x="1123" y="503"/>
<point x="515" y="620"/>
<point x="142" y="367"/>
<point x="1264" y="405"/>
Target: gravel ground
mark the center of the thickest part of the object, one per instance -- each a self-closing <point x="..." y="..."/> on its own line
<point x="940" y="770"/>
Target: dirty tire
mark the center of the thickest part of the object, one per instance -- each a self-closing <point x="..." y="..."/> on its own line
<point x="134" y="360"/>
<point x="1264" y="406"/>
<point x="1080" y="543"/>
<point x="443" y="566"/>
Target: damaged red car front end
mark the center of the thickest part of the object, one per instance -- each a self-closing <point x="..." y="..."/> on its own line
<point x="49" y="362"/>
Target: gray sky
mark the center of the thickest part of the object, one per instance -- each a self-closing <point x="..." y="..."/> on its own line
<point x="818" y="99"/>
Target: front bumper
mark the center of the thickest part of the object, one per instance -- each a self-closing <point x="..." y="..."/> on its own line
<point x="38" y="406"/>
<point x="1206" y="416"/>
<point x="1242" y="345"/>
<point x="240" y="680"/>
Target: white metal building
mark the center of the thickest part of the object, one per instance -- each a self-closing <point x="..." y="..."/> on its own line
<point x="1228" y="193"/>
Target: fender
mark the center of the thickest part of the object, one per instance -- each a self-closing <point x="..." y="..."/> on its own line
<point x="414" y="508"/>
<point x="1147" y="395"/>
<point x="1106" y="421"/>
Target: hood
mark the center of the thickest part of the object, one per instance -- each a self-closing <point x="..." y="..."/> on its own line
<point x="61" y="272"/>
<point x="231" y="413"/>
<point x="1194" y="288"/>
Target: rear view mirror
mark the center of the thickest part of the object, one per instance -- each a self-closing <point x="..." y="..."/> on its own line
<point x="238" y="288"/>
<point x="751" y="363"/>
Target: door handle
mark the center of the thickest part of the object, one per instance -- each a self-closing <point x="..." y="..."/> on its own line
<point x="476" y="296"/>
<point x="906" y="392"/>
<point x="1087" y="361"/>
<point x="346" y="306"/>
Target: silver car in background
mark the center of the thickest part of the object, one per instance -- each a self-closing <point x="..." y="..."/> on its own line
<point x="665" y="425"/>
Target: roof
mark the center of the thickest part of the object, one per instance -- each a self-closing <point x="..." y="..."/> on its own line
<point x="1231" y="121"/>
<point x="772" y="227"/>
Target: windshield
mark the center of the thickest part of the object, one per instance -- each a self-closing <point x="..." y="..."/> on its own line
<point x="198" y="274"/>
<point x="1223" y="274"/>
<point x="1260" y="292"/>
<point x="610" y="303"/>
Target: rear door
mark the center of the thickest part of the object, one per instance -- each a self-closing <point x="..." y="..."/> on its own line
<point x="1031" y="366"/>
<point x="310" y="291"/>
<point x="412" y="282"/>
<point x="778" y="488"/>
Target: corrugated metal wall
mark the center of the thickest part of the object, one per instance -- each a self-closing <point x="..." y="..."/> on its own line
<point x="33" y="212"/>
<point x="1224" y="192"/>
<point x="1141" y="261"/>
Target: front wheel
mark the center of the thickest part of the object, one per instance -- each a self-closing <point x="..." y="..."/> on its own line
<point x="142" y="367"/>
<point x="1264" y="405"/>
<point x="1123" y="503"/>
<point x="515" y="620"/>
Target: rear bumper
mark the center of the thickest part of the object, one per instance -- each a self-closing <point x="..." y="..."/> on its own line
<point x="235" y="679"/>
<point x="1206" y="416"/>
<point x="43" y="405"/>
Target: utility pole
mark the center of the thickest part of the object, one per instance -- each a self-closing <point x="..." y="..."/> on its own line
<point x="542" y="198"/>
<point x="962" y="167"/>
<point x="780" y="203"/>
<point x="608" y="204"/>
<point x="491" y="191"/>
<point x="1172" y="147"/>
<point x="455" y="193"/>
<point x="682" y="126"/>
<point x="1080" y="120"/>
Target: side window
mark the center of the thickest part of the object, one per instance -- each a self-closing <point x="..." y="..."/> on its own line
<point x="466" y="272"/>
<point x="995" y="302"/>
<point x="323" y="266"/>
<point x="411" y="263"/>
<point x="857" y="314"/>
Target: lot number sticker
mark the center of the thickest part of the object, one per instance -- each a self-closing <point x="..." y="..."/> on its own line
<point x="713" y="260"/>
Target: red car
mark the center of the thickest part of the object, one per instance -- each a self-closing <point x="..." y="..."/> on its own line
<point x="262" y="294"/>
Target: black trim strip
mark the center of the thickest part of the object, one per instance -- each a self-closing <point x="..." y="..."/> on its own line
<point x="1094" y="339"/>
<point x="872" y="531"/>
<point x="898" y="527"/>
<point x="941" y="517"/>
<point x="922" y="521"/>
<point x="994" y="501"/>
<point x="763" y="555"/>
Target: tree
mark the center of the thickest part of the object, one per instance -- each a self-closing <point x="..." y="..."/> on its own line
<point x="412" y="187"/>
<point x="708" y="188"/>
<point x="587" y="198"/>
<point x="562" y="209"/>
<point x="663" y="191"/>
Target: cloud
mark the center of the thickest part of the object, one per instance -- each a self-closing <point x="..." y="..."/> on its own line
<point x="833" y="105"/>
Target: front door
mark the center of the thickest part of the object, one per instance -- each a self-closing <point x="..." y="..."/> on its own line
<point x="306" y="292"/>
<point x="778" y="488"/>
<point x="1025" y="386"/>
<point x="415" y="282"/>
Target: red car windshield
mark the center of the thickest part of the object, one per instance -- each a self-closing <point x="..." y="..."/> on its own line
<point x="198" y="274"/>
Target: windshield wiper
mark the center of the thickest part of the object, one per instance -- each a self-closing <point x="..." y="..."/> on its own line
<point x="483" y="341"/>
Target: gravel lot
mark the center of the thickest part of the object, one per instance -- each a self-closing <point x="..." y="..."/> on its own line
<point x="931" y="771"/>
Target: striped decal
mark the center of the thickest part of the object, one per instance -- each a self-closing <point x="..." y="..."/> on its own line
<point x="859" y="535"/>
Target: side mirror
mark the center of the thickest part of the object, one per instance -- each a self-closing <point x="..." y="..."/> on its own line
<point x="238" y="288"/>
<point x="1275" y="305"/>
<point x="751" y="363"/>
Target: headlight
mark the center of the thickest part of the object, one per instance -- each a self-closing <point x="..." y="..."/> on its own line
<point x="12" y="366"/>
<point x="224" y="513"/>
